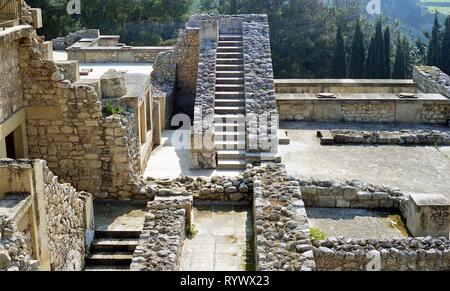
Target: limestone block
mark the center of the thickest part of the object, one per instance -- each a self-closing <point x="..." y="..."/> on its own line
<point x="427" y="215"/>
<point x="113" y="84"/>
<point x="71" y="70"/>
<point x="36" y="15"/>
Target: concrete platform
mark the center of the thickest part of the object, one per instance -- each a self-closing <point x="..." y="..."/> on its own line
<point x="119" y="216"/>
<point x="357" y="223"/>
<point x="223" y="242"/>
<point x="168" y="162"/>
<point x="423" y="169"/>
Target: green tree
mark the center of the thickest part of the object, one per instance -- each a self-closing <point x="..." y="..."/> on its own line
<point x="446" y="47"/>
<point x="358" y="53"/>
<point x="340" y="57"/>
<point x="399" y="71"/>
<point x="434" y="55"/>
<point x="370" y="62"/>
<point x="387" y="53"/>
<point x="378" y="52"/>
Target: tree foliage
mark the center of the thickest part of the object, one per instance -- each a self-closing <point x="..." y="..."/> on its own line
<point x="340" y="57"/>
<point x="358" y="54"/>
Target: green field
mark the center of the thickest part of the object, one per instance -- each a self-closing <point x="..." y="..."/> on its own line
<point x="442" y="6"/>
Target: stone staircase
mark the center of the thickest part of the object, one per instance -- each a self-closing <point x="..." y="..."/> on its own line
<point x="229" y="119"/>
<point x="112" y="250"/>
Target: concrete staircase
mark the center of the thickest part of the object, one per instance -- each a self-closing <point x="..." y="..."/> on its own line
<point x="112" y="250"/>
<point x="230" y="103"/>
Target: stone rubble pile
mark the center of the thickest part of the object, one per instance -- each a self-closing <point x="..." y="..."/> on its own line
<point x="402" y="254"/>
<point x="403" y="137"/>
<point x="15" y="255"/>
<point x="281" y="224"/>
<point x="349" y="194"/>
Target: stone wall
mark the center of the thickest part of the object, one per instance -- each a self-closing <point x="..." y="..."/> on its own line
<point x="427" y="108"/>
<point x="290" y="86"/>
<point x="432" y="80"/>
<point x="404" y="137"/>
<point x="66" y="225"/>
<point x="15" y="254"/>
<point x="203" y="151"/>
<point x="163" y="80"/>
<point x="261" y="107"/>
<point x="411" y="254"/>
<point x="61" y="43"/>
<point x="349" y="194"/>
<point x="121" y="54"/>
<point x="65" y="126"/>
<point x="281" y="224"/>
<point x="162" y="239"/>
<point x="217" y="188"/>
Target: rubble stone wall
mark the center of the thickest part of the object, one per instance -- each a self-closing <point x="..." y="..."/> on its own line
<point x="410" y="254"/>
<point x="61" y="43"/>
<point x="260" y="99"/>
<point x="432" y="80"/>
<point x="281" y="223"/>
<point x="404" y="137"/>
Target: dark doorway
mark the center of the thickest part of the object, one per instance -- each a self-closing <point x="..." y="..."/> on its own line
<point x="10" y="146"/>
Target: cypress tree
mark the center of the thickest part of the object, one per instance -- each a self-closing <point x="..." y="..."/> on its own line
<point x="340" y="58"/>
<point x="446" y="47"/>
<point x="357" y="57"/>
<point x="399" y="71"/>
<point x="387" y="53"/>
<point x="370" y="63"/>
<point x="434" y="46"/>
<point x="379" y="61"/>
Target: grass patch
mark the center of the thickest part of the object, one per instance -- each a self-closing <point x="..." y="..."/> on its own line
<point x="317" y="234"/>
<point x="109" y="110"/>
<point x="191" y="232"/>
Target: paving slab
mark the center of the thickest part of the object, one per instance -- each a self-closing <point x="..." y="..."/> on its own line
<point x="118" y="216"/>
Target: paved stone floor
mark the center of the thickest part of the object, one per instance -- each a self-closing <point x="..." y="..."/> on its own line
<point x="168" y="162"/>
<point x="119" y="216"/>
<point x="224" y="241"/>
<point x="357" y="223"/>
<point x="422" y="169"/>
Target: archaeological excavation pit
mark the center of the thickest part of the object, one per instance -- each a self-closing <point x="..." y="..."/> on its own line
<point x="220" y="239"/>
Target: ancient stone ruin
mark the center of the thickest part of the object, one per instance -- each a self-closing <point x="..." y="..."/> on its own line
<point x="193" y="157"/>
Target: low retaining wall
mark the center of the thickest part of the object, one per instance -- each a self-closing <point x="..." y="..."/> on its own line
<point x="404" y="137"/>
<point x="427" y="108"/>
<point x="281" y="225"/>
<point x="343" y="86"/>
<point x="432" y="80"/>
<point x="349" y="194"/>
<point x="161" y="241"/>
<point x="125" y="54"/>
<point x="410" y="254"/>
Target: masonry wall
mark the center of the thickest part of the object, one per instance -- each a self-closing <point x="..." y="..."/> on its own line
<point x="66" y="127"/>
<point x="115" y="54"/>
<point x="432" y="80"/>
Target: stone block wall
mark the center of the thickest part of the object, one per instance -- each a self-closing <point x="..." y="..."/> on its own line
<point x="281" y="224"/>
<point x="411" y="254"/>
<point x="261" y="107"/>
<point x="119" y="54"/>
<point x="186" y="53"/>
<point x="203" y="151"/>
<point x="432" y="80"/>
<point x="61" y="43"/>
<point x="65" y="126"/>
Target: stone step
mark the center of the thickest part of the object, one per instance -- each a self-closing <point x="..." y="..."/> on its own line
<point x="117" y="234"/>
<point x="224" y="49"/>
<point x="231" y="154"/>
<point x="114" y="244"/>
<point x="230" y="102"/>
<point x="227" y="55"/>
<point x="230" y="95"/>
<point x="106" y="268"/>
<point x="229" y="88"/>
<point x="231" y="164"/>
<point x="230" y="61"/>
<point x="230" y="145"/>
<point x="229" y="126"/>
<point x="229" y="136"/>
<point x="230" y="37"/>
<point x="110" y="259"/>
<point x="228" y="43"/>
<point x="229" y="68"/>
<point x="229" y="110"/>
<point x="229" y="118"/>
<point x="236" y="81"/>
<point x="229" y="74"/>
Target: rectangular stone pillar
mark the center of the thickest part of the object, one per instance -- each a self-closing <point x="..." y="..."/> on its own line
<point x="209" y="30"/>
